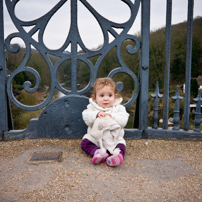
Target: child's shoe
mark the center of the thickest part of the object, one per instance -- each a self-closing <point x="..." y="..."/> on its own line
<point x="99" y="158"/>
<point x="114" y="160"/>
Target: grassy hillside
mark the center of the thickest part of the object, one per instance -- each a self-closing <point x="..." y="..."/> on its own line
<point x="178" y="53"/>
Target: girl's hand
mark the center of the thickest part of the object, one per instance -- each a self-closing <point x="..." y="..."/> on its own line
<point x="101" y="114"/>
<point x="109" y="115"/>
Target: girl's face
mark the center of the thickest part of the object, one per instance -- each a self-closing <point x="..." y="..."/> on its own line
<point x="105" y="97"/>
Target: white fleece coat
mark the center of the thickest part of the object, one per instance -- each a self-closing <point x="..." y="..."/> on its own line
<point x="119" y="115"/>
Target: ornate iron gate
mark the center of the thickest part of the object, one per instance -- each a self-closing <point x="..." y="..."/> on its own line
<point x="62" y="117"/>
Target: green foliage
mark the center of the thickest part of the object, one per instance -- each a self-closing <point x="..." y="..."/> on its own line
<point x="157" y="52"/>
<point x="36" y="62"/>
<point x="22" y="118"/>
<point x="178" y="53"/>
<point x="27" y="98"/>
<point x="194" y="87"/>
<point x="64" y="74"/>
<point x="19" y="79"/>
<point x="178" y="59"/>
<point x="196" y="57"/>
<point x="83" y="75"/>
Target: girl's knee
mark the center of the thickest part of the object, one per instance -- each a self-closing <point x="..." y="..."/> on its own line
<point x="84" y="143"/>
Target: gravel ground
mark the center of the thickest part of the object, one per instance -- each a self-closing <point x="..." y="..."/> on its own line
<point x="153" y="170"/>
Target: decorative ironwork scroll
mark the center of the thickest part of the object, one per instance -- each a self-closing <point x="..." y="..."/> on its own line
<point x="73" y="39"/>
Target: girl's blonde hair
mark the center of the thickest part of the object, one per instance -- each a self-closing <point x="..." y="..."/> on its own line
<point x="102" y="82"/>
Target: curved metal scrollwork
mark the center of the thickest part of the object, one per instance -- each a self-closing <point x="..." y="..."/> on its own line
<point x="39" y="25"/>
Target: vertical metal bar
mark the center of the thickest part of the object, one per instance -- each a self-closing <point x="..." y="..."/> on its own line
<point x="167" y="65"/>
<point x="188" y="63"/>
<point x="144" y="70"/>
<point x="3" y="104"/>
<point x="136" y="120"/>
<point x="74" y="34"/>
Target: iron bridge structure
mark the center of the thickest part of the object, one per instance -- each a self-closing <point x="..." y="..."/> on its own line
<point x="62" y="118"/>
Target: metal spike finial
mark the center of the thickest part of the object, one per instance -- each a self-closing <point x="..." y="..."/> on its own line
<point x="197" y="120"/>
<point x="176" y="118"/>
<point x="156" y="95"/>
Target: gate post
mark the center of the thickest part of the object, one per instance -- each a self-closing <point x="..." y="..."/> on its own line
<point x="144" y="67"/>
<point x="3" y="103"/>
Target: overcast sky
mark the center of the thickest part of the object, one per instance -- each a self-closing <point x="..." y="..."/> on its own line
<point x="114" y="10"/>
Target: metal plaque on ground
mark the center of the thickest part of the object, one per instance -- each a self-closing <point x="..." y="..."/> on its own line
<point x="47" y="156"/>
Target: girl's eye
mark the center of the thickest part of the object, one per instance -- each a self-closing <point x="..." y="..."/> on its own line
<point x="110" y="95"/>
<point x="101" y="95"/>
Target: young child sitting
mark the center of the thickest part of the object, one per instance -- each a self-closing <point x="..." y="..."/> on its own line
<point x="106" y="119"/>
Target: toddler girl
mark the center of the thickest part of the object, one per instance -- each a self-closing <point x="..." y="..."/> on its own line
<point x="106" y="119"/>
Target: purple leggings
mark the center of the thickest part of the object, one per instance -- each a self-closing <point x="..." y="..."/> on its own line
<point x="90" y="147"/>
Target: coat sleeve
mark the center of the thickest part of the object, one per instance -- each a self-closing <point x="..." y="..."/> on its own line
<point x="89" y="115"/>
<point x="120" y="116"/>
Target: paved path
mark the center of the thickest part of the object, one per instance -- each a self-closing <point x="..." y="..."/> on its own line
<point x="153" y="170"/>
